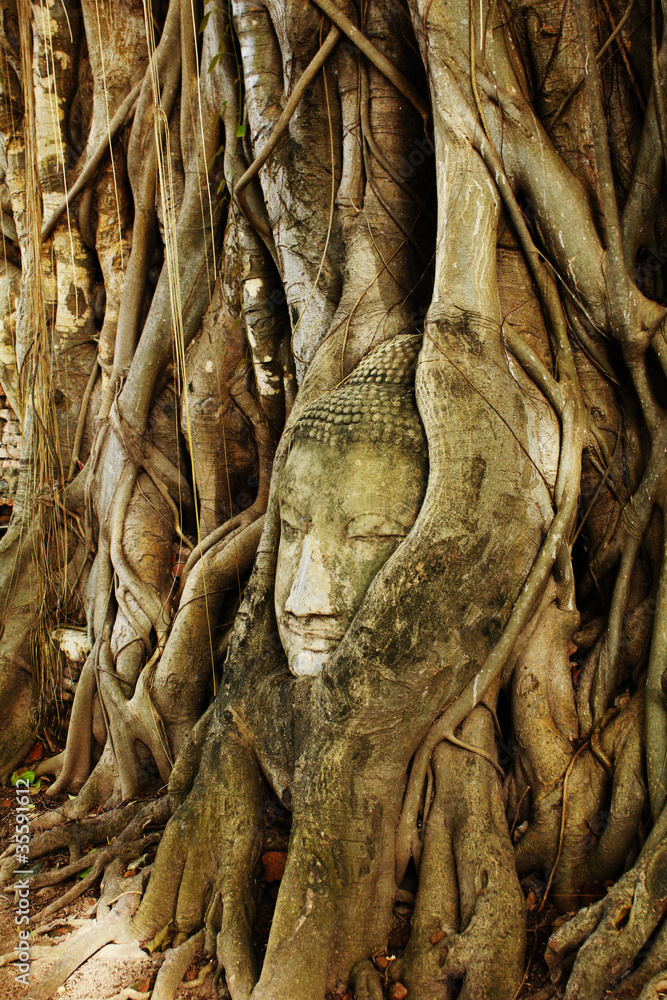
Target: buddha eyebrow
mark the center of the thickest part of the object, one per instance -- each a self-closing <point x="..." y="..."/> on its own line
<point x="377" y="521"/>
<point x="292" y="505"/>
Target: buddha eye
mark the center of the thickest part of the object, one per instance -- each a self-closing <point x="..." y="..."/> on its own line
<point x="293" y="525"/>
<point x="292" y="531"/>
<point x="371" y="526"/>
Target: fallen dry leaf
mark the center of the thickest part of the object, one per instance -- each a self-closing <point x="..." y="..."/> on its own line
<point x="274" y="865"/>
<point x="35" y="754"/>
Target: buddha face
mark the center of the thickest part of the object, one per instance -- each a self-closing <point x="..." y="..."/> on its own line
<point x="343" y="511"/>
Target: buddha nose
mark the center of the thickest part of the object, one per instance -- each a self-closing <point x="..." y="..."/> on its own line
<point x="310" y="593"/>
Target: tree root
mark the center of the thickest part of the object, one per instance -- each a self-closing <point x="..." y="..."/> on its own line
<point x="379" y="60"/>
<point x="175" y="966"/>
<point x="86" y="175"/>
<point x="178" y="689"/>
<point x="567" y="494"/>
<point x="469" y="916"/>
<point x="211" y="842"/>
<point x="114" y="927"/>
<point x="651" y="967"/>
<point x="282" y="124"/>
<point x="366" y="981"/>
<point x="129" y="994"/>
<point x="656" y="989"/>
<point x="611" y="933"/>
<point x="114" y="830"/>
<point x="37" y="951"/>
<point x="201" y="978"/>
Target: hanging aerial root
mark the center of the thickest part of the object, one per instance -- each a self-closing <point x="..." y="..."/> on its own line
<point x="379" y="60"/>
<point x="88" y="172"/>
<point x="281" y="126"/>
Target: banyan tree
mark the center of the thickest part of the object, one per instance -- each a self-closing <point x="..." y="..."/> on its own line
<point x="336" y="331"/>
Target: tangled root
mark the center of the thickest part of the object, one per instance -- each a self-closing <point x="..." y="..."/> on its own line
<point x="611" y="933"/>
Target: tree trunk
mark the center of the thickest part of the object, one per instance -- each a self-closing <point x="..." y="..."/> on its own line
<point x="238" y="233"/>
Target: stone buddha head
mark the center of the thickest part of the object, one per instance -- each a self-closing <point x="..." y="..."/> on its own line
<point x="350" y="491"/>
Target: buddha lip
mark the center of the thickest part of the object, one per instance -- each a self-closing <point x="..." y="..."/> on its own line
<point x="333" y="633"/>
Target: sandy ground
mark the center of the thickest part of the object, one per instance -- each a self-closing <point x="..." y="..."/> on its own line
<point x="112" y="970"/>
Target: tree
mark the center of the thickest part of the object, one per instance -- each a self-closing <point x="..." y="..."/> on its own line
<point x="214" y="214"/>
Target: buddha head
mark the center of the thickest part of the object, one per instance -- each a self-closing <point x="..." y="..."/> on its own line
<point x="350" y="491"/>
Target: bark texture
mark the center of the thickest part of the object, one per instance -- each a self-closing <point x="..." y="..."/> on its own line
<point x="211" y="214"/>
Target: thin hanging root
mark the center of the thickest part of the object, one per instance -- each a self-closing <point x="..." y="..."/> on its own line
<point x="81" y="422"/>
<point x="115" y="927"/>
<point x="126" y="108"/>
<point x="382" y="159"/>
<point x="380" y="61"/>
<point x="279" y="129"/>
<point x="568" y="97"/>
<point x="175" y="966"/>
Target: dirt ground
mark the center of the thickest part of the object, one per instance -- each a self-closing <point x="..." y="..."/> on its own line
<point x="112" y="970"/>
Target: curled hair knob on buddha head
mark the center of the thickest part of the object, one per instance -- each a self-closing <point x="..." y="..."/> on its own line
<point x="376" y="402"/>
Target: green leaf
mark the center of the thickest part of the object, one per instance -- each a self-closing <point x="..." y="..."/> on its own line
<point x="71" y="796"/>
<point x="34" y="788"/>
<point x="240" y="131"/>
<point x="211" y="65"/>
<point x="85" y="872"/>
<point x="28" y="776"/>
<point x="204" y="22"/>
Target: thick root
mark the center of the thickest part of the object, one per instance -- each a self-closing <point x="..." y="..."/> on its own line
<point x="469" y="918"/>
<point x="366" y="982"/>
<point x="211" y="842"/>
<point x="611" y="933"/>
<point x="656" y="988"/>
<point x="175" y="966"/>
